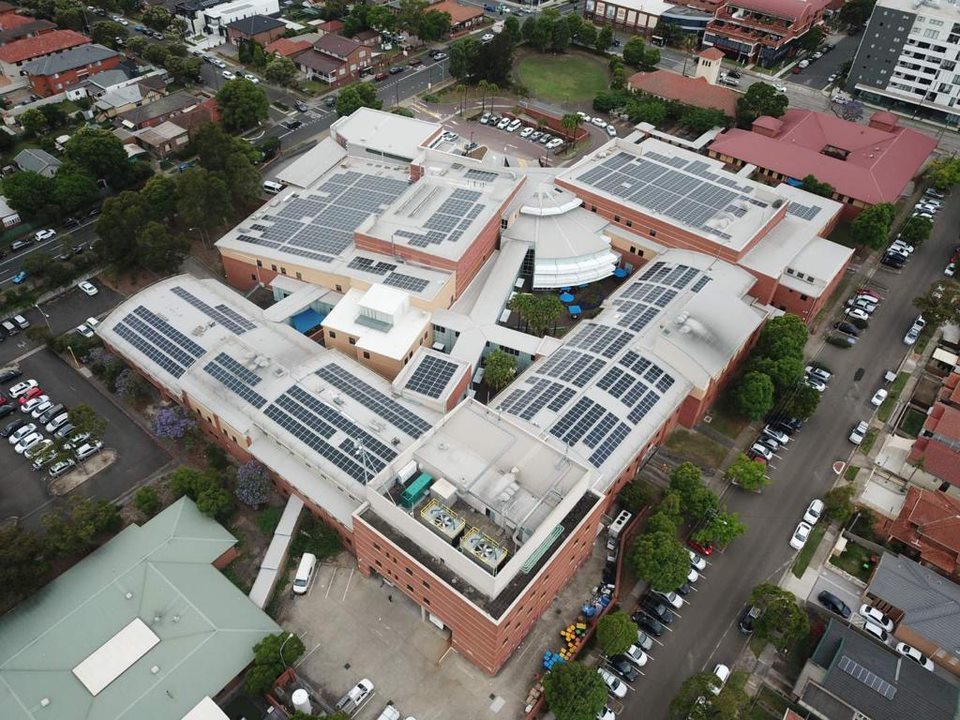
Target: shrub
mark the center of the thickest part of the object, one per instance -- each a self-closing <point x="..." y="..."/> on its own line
<point x="146" y="500"/>
<point x="316" y="537"/>
<point x="216" y="457"/>
<point x="172" y="423"/>
<point x="252" y="484"/>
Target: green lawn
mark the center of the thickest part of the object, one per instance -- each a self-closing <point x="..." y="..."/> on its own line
<point x="852" y="560"/>
<point x="896" y="387"/>
<point x="869" y="438"/>
<point x="569" y="78"/>
<point x="696" y="448"/>
<point x="850" y="474"/>
<point x="912" y="422"/>
<point x="806" y="555"/>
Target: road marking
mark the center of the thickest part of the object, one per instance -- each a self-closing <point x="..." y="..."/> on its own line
<point x="330" y="584"/>
<point x="349" y="578"/>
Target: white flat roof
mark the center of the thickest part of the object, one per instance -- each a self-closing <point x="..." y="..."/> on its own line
<point x="206" y="709"/>
<point x="385" y="134"/>
<point x="115" y="656"/>
<point x="393" y="340"/>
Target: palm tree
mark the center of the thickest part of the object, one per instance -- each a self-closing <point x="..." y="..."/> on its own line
<point x="523" y="304"/>
<point x="461" y="90"/>
<point x="484" y="87"/>
<point x="570" y="122"/>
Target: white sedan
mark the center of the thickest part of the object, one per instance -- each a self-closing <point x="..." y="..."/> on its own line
<point x="599" y="122"/>
<point x="814" y="511"/>
<point x="878" y="397"/>
<point x="42" y="235"/>
<point x="914" y="654"/>
<point x="800" y="535"/>
<point x="857" y="313"/>
<point x="88" y="287"/>
<point x="228" y="75"/>
<point x="486" y="37"/>
<point x="85" y="330"/>
<point x="614" y="686"/>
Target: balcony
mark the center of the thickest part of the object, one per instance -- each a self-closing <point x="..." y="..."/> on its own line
<point x="766" y="23"/>
<point x="744" y="34"/>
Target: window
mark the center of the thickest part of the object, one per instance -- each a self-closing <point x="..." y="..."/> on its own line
<point x="633" y="250"/>
<point x="332" y="334"/>
<point x="283" y="271"/>
<point x="353" y="341"/>
<point x="439" y="329"/>
<point x="804" y="297"/>
<point x="936" y="23"/>
<point x="426" y="584"/>
<point x="273" y="267"/>
<point x="931" y="34"/>
<point x="366" y="355"/>
<point x="629" y="223"/>
<point x="409" y="572"/>
<point x="259" y="263"/>
<point x="299" y="276"/>
<point x="426" y="600"/>
<point x="616" y="218"/>
<point x="593" y="208"/>
<point x="339" y="289"/>
<point x="653" y="233"/>
<point x="253" y="276"/>
<point x="503" y="223"/>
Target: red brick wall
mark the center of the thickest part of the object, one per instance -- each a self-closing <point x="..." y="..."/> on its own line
<point x="46" y="85"/>
<point x="243" y="276"/>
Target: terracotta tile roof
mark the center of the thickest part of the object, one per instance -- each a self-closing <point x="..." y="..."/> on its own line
<point x="712" y="53"/>
<point x="458" y="13"/>
<point x="929" y="522"/>
<point x="787" y="9"/>
<point x="12" y="20"/>
<point x="691" y="91"/>
<point x="287" y="47"/>
<point x="877" y="167"/>
<point x="21" y="30"/>
<point x="34" y="47"/>
<point x="318" y="62"/>
<point x="948" y="424"/>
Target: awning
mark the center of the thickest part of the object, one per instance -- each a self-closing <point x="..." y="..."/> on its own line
<point x="307" y="320"/>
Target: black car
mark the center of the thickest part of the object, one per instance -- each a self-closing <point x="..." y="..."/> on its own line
<point x="624" y="668"/>
<point x="893" y="261"/>
<point x="8" y="375"/>
<point x="395" y="70"/>
<point x="658" y="609"/>
<point x="848" y="328"/>
<point x="734" y="74"/>
<point x="791" y="424"/>
<point x="292" y="124"/>
<point x="683" y="590"/>
<point x="749" y="617"/>
<point x="10" y="429"/>
<point x="646" y="623"/>
<point x="6" y="409"/>
<point x="71" y="222"/>
<point x="834" y="604"/>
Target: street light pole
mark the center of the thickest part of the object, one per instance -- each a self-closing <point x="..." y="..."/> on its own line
<point x="46" y="317"/>
<point x="282" y="661"/>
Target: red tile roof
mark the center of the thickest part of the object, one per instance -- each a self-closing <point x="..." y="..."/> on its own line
<point x="12" y="20"/>
<point x="712" y="53"/>
<point x="691" y="91"/>
<point x="948" y="424"/>
<point x="787" y="9"/>
<point x="878" y="165"/>
<point x="46" y="44"/>
<point x="287" y="47"/>
<point x="336" y="45"/>
<point x="458" y="13"/>
<point x="929" y="522"/>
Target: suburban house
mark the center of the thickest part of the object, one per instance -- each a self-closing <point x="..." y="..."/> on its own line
<point x="929" y="526"/>
<point x="701" y="90"/>
<point x="13" y="55"/>
<point x="159" y="111"/>
<point x="762" y="31"/>
<point x="8" y="216"/>
<point x="851" y="677"/>
<point x="936" y="445"/>
<point x="162" y="140"/>
<point x="14" y="27"/>
<point x="923" y="603"/>
<point x="256" y="28"/>
<point x="287" y="47"/>
<point x="334" y="59"/>
<point x="462" y="17"/>
<point x="38" y="161"/>
<point x="211" y="17"/>
<point x="865" y="164"/>
<point x="55" y="73"/>
<point x="127" y="96"/>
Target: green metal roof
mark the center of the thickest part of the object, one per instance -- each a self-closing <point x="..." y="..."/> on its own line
<point x="207" y="627"/>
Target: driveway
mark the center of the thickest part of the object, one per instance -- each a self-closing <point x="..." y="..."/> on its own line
<point x="707" y="633"/>
<point x="816" y="74"/>
<point x="837" y="584"/>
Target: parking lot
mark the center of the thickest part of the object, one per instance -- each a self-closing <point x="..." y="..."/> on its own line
<point x="23" y="491"/>
<point x="354" y="628"/>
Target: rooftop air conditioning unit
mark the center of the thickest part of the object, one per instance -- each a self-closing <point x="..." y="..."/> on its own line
<point x="338" y="400"/>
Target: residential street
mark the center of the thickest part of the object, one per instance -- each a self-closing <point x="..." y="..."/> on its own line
<point x="707" y="633"/>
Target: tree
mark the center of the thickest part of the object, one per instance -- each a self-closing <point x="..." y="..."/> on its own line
<point x="500" y="369"/>
<point x="856" y="12"/>
<point x="760" y="99"/>
<point x="811" y="39"/>
<point x="785" y="372"/>
<point x="633" y="51"/>
<point x="156" y="54"/>
<point x="570" y="122"/>
<point x="86" y="421"/>
<point x="559" y="34"/>
<point x="943" y="173"/>
<point x="172" y="423"/>
<point x="23" y="563"/>
<point x="604" y="39"/>
<point x="33" y="122"/>
<point x="100" y="153"/>
<point x="381" y="18"/>
<point x="74" y="188"/>
<point x="157" y="17"/>
<point x="697" y="501"/>
<point x="940" y="304"/>
<point x="253" y="484"/>
<point x="271" y="656"/>
<point x="434" y="24"/>
<point x="686" y="702"/>
<point x="242" y="179"/>
<point x="699" y="120"/>
<point x="574" y="691"/>
<point x="511" y="26"/>
<point x="121" y="220"/>
<point x="661" y="560"/>
<point x="203" y="199"/>
<point x="242" y="104"/>
<point x="494" y="61"/>
<point x="75" y="529"/>
<point x="748" y="474"/>
<point x="159" y="250"/>
<point x="159" y="197"/>
<point x="872" y="226"/>
<point x="462" y="56"/>
<point x="851" y="110"/>
<point x="136" y="45"/>
<point x="753" y="396"/>
<point x="106" y="32"/>
<point x="916" y="230"/>
<point x="28" y="192"/>
<point x="838" y="503"/>
<point x="782" y="621"/>
<point x="540" y="311"/>
<point x="409" y="13"/>
<point x="803" y="402"/>
<point x="721" y="528"/>
<point x="355" y="96"/>
<point x="636" y="495"/>
<point x="812" y="185"/>
<point x="587" y="35"/>
<point x="783" y="336"/>
<point x="616" y="632"/>
<point x="147" y="500"/>
<point x="281" y="71"/>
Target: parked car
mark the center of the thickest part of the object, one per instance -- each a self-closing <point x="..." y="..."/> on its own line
<point x="834" y="604"/>
<point x="526" y="132"/>
<point x="611" y="131"/>
<point x="614" y="685"/>
<point x="47" y="234"/>
<point x="697" y="562"/>
<point x="815" y="383"/>
<point x="636" y="655"/>
<point x="800" y="536"/>
<point x="878" y="397"/>
<point x="644" y="641"/>
<point x="649" y="623"/>
<point x="658" y="609"/>
<point x="514" y="125"/>
<point x="21" y="388"/>
<point x="29" y="395"/>
<point x="624" y="668"/>
<point x="859" y="313"/>
<point x="705" y="549"/>
<point x="228" y="75"/>
<point x="878" y="632"/>
<point x="871" y="614"/>
<point x="893" y="261"/>
<point x="60" y="468"/>
<point x="859" y="432"/>
<point x="84" y="330"/>
<point x="748" y="618"/>
<point x="671" y="598"/>
<point x="761" y="450"/>
<point x="28" y="442"/>
<point x="599" y="122"/>
<point x="722" y="673"/>
<point x="814" y="511"/>
<point x="504" y="123"/>
<point x="915" y="655"/>
<point x="818" y="372"/>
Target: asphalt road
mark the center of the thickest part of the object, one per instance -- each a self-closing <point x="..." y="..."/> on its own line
<point x="23" y="492"/>
<point x="815" y="75"/>
<point x="10" y="265"/>
<point x="706" y="634"/>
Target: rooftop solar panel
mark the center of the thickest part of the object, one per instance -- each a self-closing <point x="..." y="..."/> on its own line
<point x="431" y="376"/>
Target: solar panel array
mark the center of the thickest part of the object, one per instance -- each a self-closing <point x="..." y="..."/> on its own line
<point x="371" y="266"/>
<point x="868" y="678"/>
<point x="159" y="341"/>
<point x="448" y="222"/>
<point x="406" y="282"/>
<point x="320" y="226"/>
<point x="804" y="212"/>
<point x="318" y="426"/>
<point x="431" y="376"/>
<point x="374" y="400"/>
<point x="236" y="378"/>
<point x="646" y="297"/>
<point x="481" y="175"/>
<point x="684" y="190"/>
<point x="223" y="314"/>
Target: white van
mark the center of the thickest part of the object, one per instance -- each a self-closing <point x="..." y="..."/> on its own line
<point x="301" y="583"/>
<point x="617" y="526"/>
<point x="272" y="186"/>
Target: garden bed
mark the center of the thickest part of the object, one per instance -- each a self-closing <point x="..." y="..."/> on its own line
<point x="696" y="448"/>
<point x="855" y="560"/>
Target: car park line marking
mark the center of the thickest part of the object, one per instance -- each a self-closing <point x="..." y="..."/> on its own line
<point x="330" y="584"/>
<point x="349" y="578"/>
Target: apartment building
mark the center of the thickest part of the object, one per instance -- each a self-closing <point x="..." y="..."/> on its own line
<point x="762" y="31"/>
<point x="907" y="58"/>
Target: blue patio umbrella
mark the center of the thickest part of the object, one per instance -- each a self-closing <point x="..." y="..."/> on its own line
<point x="566" y="298"/>
<point x="620" y="273"/>
<point x="574" y="310"/>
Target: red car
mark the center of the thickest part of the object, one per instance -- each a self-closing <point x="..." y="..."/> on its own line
<point x="380" y="76"/>
<point x="796" y="70"/>
<point x="704" y="550"/>
<point x="30" y="394"/>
